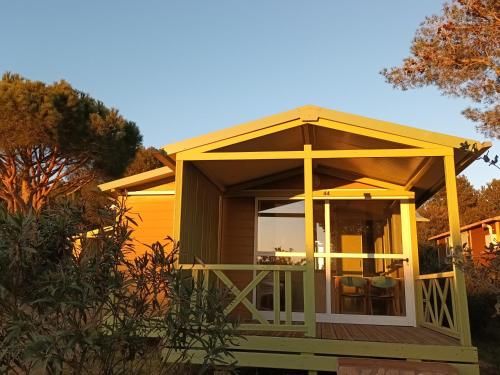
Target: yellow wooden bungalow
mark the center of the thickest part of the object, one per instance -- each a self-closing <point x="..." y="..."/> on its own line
<point x="308" y="218"/>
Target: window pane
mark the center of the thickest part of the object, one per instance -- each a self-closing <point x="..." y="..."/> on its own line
<point x="372" y="227"/>
<point x="280" y="226"/>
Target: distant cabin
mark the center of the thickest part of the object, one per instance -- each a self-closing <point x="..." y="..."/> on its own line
<point x="476" y="238"/>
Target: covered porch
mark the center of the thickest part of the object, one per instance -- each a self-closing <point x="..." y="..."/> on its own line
<point x="310" y="225"/>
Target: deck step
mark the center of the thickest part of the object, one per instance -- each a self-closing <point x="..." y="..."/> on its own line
<point x="354" y="366"/>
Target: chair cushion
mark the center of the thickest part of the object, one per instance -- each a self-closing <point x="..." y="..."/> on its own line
<point x="354" y="281"/>
<point x="383" y="282"/>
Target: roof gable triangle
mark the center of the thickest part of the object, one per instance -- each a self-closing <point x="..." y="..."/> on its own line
<point x="318" y="116"/>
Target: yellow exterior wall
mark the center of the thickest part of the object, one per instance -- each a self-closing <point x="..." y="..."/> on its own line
<point x="154" y="216"/>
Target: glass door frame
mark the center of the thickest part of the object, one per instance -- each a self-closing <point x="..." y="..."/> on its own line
<point x="409" y="319"/>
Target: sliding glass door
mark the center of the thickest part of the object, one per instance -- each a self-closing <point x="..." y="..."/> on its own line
<point x="368" y="273"/>
<point x="362" y="273"/>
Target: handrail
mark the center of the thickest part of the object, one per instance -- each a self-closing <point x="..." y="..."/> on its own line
<point x="342" y="255"/>
<point x="438" y="275"/>
<point x="365" y="256"/>
<point x="244" y="267"/>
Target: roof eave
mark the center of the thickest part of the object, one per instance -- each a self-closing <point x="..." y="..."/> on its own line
<point x="460" y="166"/>
<point x="136" y="179"/>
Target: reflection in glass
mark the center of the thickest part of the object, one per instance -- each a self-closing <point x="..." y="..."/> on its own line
<point x="280" y="226"/>
<point x="280" y="229"/>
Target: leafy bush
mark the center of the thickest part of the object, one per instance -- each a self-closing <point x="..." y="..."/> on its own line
<point x="430" y="260"/>
<point x="481" y="309"/>
<point x="483" y="289"/>
<point x="87" y="304"/>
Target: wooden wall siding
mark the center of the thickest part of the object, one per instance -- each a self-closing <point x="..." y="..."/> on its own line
<point x="154" y="216"/>
<point x="320" y="290"/>
<point x="199" y="217"/>
<point x="237" y="245"/>
<point x="238" y="223"/>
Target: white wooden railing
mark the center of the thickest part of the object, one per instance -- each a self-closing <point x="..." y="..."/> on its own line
<point x="439" y="302"/>
<point x="218" y="273"/>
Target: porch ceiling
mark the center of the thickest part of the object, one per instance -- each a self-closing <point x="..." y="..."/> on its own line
<point x="398" y="171"/>
<point x="403" y="171"/>
<point x="423" y="175"/>
<point x="393" y="170"/>
<point x="233" y="172"/>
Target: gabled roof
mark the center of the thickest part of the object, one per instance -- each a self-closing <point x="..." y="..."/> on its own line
<point x="140" y="178"/>
<point x="310" y="114"/>
<point x="324" y="129"/>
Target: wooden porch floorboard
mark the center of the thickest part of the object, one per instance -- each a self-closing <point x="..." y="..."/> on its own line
<point x="372" y="333"/>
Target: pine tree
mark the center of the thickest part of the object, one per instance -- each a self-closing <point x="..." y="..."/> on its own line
<point x="458" y="52"/>
<point x="436" y="209"/>
<point x="56" y="139"/>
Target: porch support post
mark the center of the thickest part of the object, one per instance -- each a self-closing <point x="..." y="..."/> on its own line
<point x="179" y="168"/>
<point x="456" y="242"/>
<point x="309" y="294"/>
<point x="411" y="232"/>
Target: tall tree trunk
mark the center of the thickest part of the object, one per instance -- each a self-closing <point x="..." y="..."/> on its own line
<point x="30" y="176"/>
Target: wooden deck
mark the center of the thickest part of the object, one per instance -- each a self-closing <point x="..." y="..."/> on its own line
<point x="371" y="333"/>
<point x="294" y="351"/>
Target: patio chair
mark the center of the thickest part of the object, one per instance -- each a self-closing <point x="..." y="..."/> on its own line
<point x="360" y="292"/>
<point x="383" y="288"/>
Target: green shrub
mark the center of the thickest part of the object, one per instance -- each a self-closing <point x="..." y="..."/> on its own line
<point x="483" y="289"/>
<point x="430" y="260"/>
<point x="87" y="305"/>
<point x="481" y="310"/>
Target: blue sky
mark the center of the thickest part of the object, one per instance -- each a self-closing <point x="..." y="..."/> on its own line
<point x="183" y="68"/>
